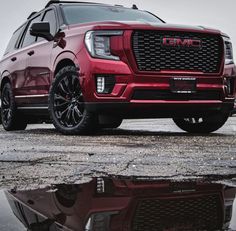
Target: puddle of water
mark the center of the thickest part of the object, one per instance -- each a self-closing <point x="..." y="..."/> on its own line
<point x="8" y="220"/>
<point x="119" y="204"/>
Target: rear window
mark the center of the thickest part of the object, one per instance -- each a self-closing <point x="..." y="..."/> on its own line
<point x="83" y="14"/>
<point x="13" y="41"/>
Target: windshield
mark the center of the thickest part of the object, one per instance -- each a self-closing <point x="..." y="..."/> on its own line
<point x="83" y="14"/>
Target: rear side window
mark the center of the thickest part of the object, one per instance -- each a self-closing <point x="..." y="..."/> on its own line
<point x="29" y="39"/>
<point x="12" y="45"/>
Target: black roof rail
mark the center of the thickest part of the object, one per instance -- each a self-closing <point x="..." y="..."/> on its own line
<point x="52" y="2"/>
<point x="58" y="2"/>
<point x="33" y="13"/>
<point x="134" y="7"/>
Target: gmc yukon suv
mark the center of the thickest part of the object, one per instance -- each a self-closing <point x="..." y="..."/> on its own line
<point x="88" y="66"/>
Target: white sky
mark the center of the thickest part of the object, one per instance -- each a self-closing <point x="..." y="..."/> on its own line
<point x="220" y="14"/>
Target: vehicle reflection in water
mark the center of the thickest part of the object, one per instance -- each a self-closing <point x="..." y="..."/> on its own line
<point x="119" y="204"/>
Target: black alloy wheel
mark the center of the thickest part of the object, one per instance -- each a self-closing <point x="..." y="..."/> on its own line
<point x="12" y="119"/>
<point x="6" y="105"/>
<point x="68" y="101"/>
<point x="66" y="104"/>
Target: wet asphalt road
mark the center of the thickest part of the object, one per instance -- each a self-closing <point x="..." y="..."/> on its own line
<point x="40" y="156"/>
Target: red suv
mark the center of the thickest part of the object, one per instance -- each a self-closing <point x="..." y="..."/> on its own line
<point x="88" y="66"/>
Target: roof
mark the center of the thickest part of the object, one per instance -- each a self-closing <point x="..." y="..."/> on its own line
<point x="61" y="2"/>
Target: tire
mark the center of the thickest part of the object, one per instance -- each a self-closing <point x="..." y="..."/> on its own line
<point x="12" y="119"/>
<point x="66" y="104"/>
<point x="202" y="125"/>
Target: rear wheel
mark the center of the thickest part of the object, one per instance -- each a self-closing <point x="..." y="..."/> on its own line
<point x="66" y="104"/>
<point x="202" y="124"/>
<point x="12" y="119"/>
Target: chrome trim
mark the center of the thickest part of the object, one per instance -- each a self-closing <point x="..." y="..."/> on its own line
<point x="32" y="108"/>
<point x="31" y="96"/>
<point x="184" y="191"/>
<point x="44" y="73"/>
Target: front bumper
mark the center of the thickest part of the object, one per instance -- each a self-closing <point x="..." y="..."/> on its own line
<point x="122" y="101"/>
<point x="138" y="109"/>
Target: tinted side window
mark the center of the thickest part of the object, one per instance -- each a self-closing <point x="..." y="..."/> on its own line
<point x="51" y="18"/>
<point x="29" y="39"/>
<point x="13" y="41"/>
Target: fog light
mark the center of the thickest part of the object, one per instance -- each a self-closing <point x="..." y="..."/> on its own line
<point x="100" y="185"/>
<point x="100" y="84"/>
<point x="105" y="83"/>
<point x="229" y="86"/>
<point x="99" y="221"/>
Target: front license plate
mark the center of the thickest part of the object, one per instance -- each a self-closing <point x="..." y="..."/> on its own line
<point x="183" y="85"/>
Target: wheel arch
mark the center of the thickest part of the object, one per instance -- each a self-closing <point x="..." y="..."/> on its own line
<point x="5" y="78"/>
<point x="65" y="59"/>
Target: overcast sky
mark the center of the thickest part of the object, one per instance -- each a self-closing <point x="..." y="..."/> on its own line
<point x="219" y="14"/>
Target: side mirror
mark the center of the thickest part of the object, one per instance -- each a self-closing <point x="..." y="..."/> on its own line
<point x="41" y="29"/>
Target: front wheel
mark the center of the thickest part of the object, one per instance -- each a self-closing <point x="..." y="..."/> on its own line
<point x="202" y="124"/>
<point x="66" y="104"/>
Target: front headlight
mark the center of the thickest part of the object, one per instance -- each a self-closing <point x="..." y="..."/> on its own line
<point x="228" y="51"/>
<point x="98" y="44"/>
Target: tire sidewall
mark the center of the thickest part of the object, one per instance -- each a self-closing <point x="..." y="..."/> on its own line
<point x="85" y="124"/>
<point x="8" y="125"/>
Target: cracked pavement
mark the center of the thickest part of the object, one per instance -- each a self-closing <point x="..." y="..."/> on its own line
<point x="40" y="156"/>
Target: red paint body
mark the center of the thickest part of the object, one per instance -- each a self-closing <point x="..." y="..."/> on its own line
<point x="31" y="75"/>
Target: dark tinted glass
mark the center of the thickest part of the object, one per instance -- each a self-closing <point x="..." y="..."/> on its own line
<point x="29" y="39"/>
<point x="51" y="18"/>
<point x="82" y="14"/>
<point x="13" y="42"/>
